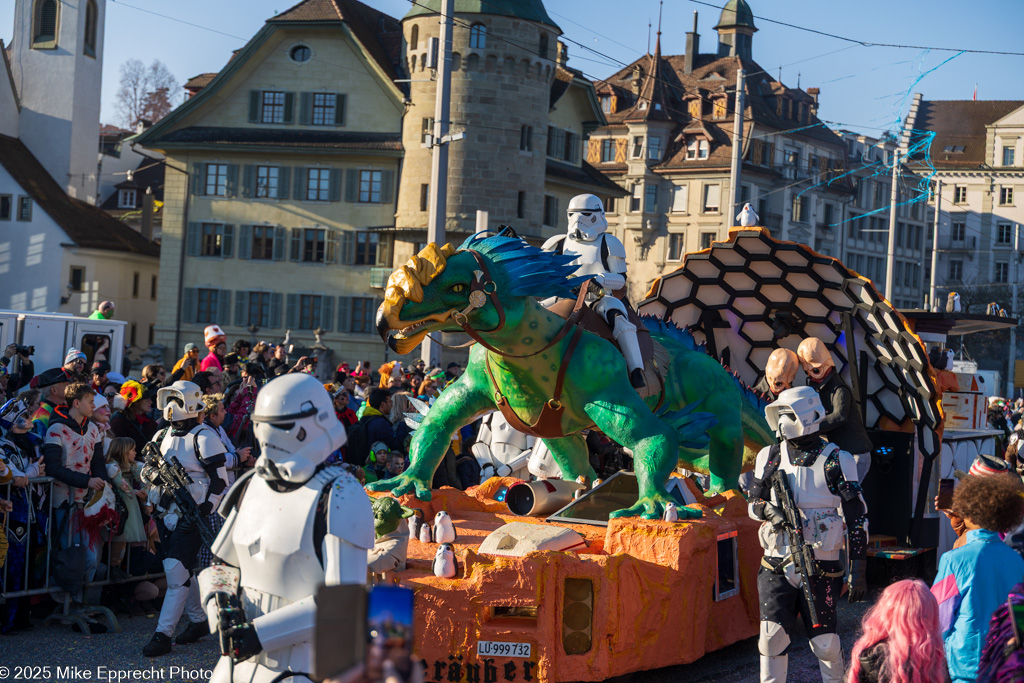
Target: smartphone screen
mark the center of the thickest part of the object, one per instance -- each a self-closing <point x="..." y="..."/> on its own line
<point x="945" y="498"/>
<point x="389" y="627"/>
<point x="339" y="638"/>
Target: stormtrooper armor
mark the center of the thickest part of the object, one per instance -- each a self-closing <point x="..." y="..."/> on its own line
<point x="602" y="257"/>
<point x="201" y="454"/>
<point x="291" y="525"/>
<point x="823" y="481"/>
<point x="501" y="450"/>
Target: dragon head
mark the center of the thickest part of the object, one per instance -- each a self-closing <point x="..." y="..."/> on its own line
<point x="436" y="285"/>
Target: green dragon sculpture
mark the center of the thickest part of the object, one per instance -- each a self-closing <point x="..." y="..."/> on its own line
<point x="490" y="287"/>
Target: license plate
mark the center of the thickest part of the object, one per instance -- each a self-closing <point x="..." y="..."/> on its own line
<point x="490" y="648"/>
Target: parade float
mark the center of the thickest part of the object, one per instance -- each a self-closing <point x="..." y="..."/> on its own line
<point x="605" y="586"/>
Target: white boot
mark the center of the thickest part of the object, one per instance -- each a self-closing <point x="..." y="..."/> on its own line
<point x="830" y="657"/>
<point x="175" y="598"/>
<point x="624" y="333"/>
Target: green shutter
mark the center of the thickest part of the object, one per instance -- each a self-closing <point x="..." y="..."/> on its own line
<point x="188" y="305"/>
<point x="330" y="246"/>
<point x="339" y="110"/>
<point x="198" y="175"/>
<point x="254" y="106"/>
<point x="280" y="243"/>
<point x="335" y="185"/>
<point x="296" y="244"/>
<point x="305" y="108"/>
<point x="387" y="184"/>
<point x="227" y="244"/>
<point x="291" y="315"/>
<point x="348" y="247"/>
<point x="300" y="182"/>
<point x="192" y="239"/>
<point x="224" y="306"/>
<point x="284" y="176"/>
<point x="344" y="316"/>
<point x="351" y="184"/>
<point x="245" y="241"/>
<point x="289" y="106"/>
<point x="232" y="185"/>
<point x="383" y="250"/>
<point x="327" y="312"/>
<point x="275" y="310"/>
<point x="248" y="180"/>
<point x="241" y="306"/>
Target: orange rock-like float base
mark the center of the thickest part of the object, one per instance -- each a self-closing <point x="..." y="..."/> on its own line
<point x="652" y="601"/>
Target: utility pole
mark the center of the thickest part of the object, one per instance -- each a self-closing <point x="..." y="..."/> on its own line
<point x="430" y="350"/>
<point x="1012" y="365"/>
<point x="890" y="261"/>
<point x="737" y="151"/>
<point x="935" y="246"/>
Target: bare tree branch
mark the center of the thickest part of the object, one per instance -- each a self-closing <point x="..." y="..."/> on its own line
<point x="148" y="93"/>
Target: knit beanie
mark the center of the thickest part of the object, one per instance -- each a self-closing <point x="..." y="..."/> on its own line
<point x="73" y="355"/>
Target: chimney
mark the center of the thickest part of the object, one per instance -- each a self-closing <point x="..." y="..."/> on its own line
<point x="692" y="47"/>
<point x="147" y="214"/>
<point x="814" y="92"/>
<point x="563" y="54"/>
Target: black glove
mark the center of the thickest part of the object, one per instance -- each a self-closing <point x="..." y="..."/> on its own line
<point x="858" y="580"/>
<point x="244" y="641"/>
<point x="206" y="507"/>
<point x="773" y="515"/>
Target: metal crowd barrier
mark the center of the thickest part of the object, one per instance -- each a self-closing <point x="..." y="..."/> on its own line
<point x="40" y="491"/>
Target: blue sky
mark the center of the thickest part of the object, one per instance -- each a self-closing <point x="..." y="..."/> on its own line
<point x="861" y="87"/>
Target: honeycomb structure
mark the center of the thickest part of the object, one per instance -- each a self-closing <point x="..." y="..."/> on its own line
<point x="752" y="294"/>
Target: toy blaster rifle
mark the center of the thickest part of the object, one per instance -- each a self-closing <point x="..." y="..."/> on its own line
<point x="801" y="552"/>
<point x="171" y="478"/>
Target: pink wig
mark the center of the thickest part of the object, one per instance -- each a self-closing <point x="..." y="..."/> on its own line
<point x="906" y="619"/>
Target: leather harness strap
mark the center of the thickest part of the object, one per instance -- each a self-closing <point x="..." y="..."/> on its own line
<point x="549" y="423"/>
<point x="480" y="285"/>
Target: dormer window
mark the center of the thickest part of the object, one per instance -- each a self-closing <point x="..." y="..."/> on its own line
<point x="643" y="105"/>
<point x="721" y="108"/>
<point x="606" y="103"/>
<point x="695" y="108"/>
<point x="697" y="149"/>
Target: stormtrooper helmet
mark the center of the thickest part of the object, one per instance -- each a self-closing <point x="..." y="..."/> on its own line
<point x="294" y="421"/>
<point x="180" y="401"/>
<point x="586" y="217"/>
<point x="797" y="412"/>
<point x="14" y="413"/>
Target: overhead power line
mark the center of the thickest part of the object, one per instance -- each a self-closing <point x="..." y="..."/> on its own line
<point x="869" y="43"/>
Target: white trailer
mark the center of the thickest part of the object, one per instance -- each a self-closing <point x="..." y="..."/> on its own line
<point x="52" y="334"/>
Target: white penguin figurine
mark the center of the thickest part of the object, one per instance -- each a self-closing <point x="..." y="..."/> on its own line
<point x="444" y="530"/>
<point x="582" y="481"/>
<point x="445" y="565"/>
<point x="953" y="303"/>
<point x="747" y="218"/>
<point x="425" y="533"/>
<point x="671" y="513"/>
<point x="414" y="527"/>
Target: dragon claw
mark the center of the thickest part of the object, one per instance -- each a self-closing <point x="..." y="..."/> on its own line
<point x="653" y="507"/>
<point x="401" y="485"/>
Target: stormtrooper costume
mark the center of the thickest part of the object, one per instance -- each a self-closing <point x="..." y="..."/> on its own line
<point x="602" y="257"/>
<point x="201" y="454"/>
<point x="823" y="481"/>
<point x="501" y="450"/>
<point x="291" y="525"/>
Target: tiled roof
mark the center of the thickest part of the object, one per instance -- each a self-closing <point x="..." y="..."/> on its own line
<point x="86" y="225"/>
<point x="277" y="137"/>
<point x="665" y="82"/>
<point x="531" y="10"/>
<point x="960" y="124"/>
<point x="149" y="173"/>
<point x="197" y="83"/>
<point x="370" y="26"/>
<point x="583" y="175"/>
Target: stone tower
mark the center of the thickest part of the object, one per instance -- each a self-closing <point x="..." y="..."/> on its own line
<point x="736" y="30"/>
<point x="57" y="64"/>
<point x="502" y="69"/>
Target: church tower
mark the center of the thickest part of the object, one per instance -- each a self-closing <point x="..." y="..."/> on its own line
<point x="503" y="65"/>
<point x="57" y="64"/>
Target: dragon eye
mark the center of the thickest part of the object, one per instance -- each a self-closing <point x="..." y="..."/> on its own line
<point x="459" y="288"/>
